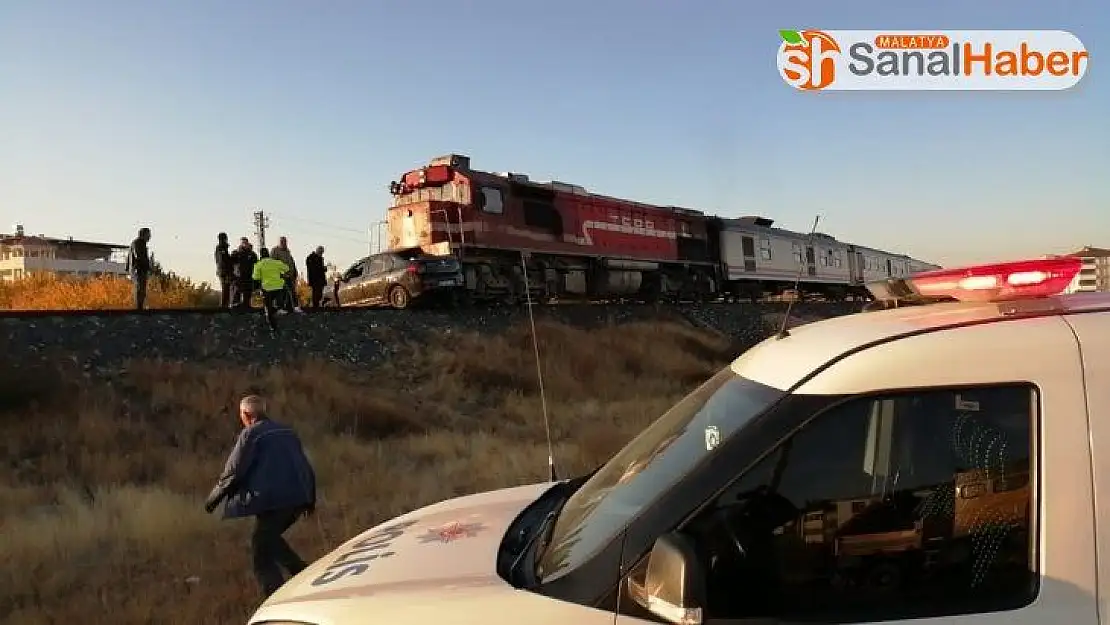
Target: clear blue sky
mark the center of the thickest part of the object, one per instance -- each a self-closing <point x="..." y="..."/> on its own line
<point x="182" y="115"/>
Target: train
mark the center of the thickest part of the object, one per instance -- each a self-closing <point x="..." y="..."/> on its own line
<point x="515" y="237"/>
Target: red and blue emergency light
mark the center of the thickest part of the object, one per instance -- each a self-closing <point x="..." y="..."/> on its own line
<point x="1000" y="282"/>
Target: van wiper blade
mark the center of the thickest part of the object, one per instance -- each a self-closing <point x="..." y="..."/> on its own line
<point x="544" y="534"/>
<point x="548" y="519"/>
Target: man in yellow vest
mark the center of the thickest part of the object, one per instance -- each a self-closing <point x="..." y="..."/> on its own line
<point x="270" y="273"/>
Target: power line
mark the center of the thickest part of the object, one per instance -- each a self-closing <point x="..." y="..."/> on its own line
<point x="377" y="240"/>
<point x="322" y="233"/>
<point x="320" y="223"/>
<point x="373" y="236"/>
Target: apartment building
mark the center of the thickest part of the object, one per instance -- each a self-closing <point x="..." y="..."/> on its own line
<point x="23" y="255"/>
<point x="1095" y="274"/>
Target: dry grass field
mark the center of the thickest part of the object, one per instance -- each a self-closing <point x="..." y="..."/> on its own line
<point x="47" y="292"/>
<point x="101" y="499"/>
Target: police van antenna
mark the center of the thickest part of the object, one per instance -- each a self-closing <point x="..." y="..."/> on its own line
<point x="783" y="331"/>
<point x="539" y="373"/>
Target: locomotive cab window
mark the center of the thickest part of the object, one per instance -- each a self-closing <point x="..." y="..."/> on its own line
<point x="905" y="505"/>
<point x="490" y="201"/>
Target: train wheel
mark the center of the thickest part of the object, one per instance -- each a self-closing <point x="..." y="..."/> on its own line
<point x="399" y="298"/>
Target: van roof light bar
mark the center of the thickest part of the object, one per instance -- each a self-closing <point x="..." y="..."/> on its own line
<point x="999" y="282"/>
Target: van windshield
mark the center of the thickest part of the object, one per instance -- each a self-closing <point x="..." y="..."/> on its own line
<point x="650" y="464"/>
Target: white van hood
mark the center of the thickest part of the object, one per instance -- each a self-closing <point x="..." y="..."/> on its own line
<point x="435" y="565"/>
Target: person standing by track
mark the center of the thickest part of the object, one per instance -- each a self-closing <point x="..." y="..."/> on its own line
<point x="281" y="252"/>
<point x="139" y="266"/>
<point x="271" y="274"/>
<point x="224" y="269"/>
<point x="317" y="274"/>
<point x="242" y="264"/>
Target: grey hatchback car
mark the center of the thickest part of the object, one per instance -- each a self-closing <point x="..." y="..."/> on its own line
<point x="398" y="279"/>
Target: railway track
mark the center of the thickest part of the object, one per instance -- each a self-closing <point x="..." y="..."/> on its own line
<point x="366" y="310"/>
<point x="100" y="340"/>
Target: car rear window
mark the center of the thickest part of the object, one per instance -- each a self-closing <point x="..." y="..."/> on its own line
<point x="438" y="264"/>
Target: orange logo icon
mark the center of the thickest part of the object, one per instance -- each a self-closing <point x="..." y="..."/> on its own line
<point x="807" y="59"/>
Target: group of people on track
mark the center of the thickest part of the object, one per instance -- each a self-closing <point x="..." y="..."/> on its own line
<point x="242" y="272"/>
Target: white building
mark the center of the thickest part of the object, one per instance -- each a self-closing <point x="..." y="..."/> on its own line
<point x="1095" y="274"/>
<point x="22" y="255"/>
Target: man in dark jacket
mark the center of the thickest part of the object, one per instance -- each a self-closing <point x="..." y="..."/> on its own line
<point x="316" y="274"/>
<point x="281" y="252"/>
<point x="242" y="263"/>
<point x="267" y="476"/>
<point x="223" y="269"/>
<point x="139" y="265"/>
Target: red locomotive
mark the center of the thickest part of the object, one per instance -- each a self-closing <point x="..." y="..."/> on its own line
<point x="556" y="239"/>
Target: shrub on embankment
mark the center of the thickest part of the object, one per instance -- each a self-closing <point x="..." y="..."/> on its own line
<point x="49" y="292"/>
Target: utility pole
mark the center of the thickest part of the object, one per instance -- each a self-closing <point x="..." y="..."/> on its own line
<point x="380" y="232"/>
<point x="377" y="237"/>
<point x="261" y="222"/>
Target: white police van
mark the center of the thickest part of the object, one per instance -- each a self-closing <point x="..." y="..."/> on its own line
<point x="946" y="459"/>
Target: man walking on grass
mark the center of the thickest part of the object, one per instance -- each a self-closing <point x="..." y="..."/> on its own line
<point x="267" y="476"/>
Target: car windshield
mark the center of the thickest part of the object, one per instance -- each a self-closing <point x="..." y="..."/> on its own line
<point x="650" y="464"/>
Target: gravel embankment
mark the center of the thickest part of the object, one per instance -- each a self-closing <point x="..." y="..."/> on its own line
<point x="356" y="338"/>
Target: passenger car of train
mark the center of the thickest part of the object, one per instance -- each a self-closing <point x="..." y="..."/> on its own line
<point x="554" y="240"/>
<point x="756" y="258"/>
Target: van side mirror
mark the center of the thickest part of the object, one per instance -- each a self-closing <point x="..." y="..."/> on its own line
<point x="673" y="585"/>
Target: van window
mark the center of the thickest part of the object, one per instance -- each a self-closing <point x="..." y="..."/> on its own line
<point x="910" y="505"/>
<point x="648" y="465"/>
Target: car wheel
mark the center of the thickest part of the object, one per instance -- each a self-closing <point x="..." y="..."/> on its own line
<point x="399" y="297"/>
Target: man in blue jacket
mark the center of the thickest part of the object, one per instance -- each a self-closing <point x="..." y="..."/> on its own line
<point x="267" y="476"/>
